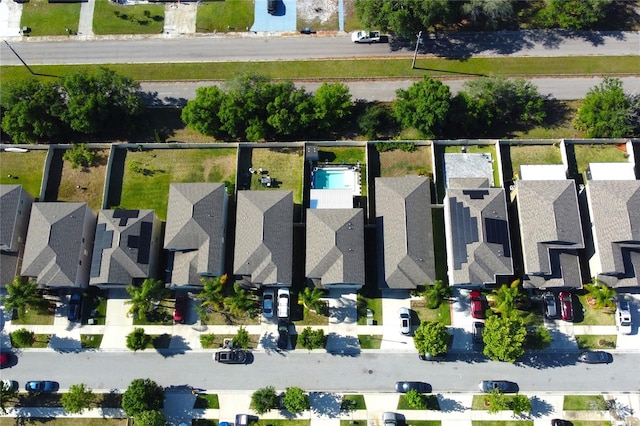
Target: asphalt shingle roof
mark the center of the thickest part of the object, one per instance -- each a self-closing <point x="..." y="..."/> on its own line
<point x="15" y="208"/>
<point x="264" y="236"/>
<point x="405" y="234"/>
<point x="335" y="246"/>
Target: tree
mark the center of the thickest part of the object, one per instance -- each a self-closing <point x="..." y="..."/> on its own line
<point x="415" y="399"/>
<point x="7" y="393"/>
<point x="404" y="20"/>
<point x="601" y="295"/>
<point x="150" y="418"/>
<point x="137" y="340"/>
<point x="431" y="338"/>
<point x="201" y="113"/>
<point x="290" y="109"/>
<point x="79" y="155"/>
<point x="506" y="297"/>
<point x="311" y="298"/>
<point x="77" y="399"/>
<point x="573" y="14"/>
<point x="376" y="119"/>
<point x="497" y="401"/>
<point x="332" y="105"/>
<point x="212" y="294"/>
<point x="607" y="112"/>
<point x="96" y="102"/>
<point x="295" y="400"/>
<point x="488" y="13"/>
<point x="31" y="110"/>
<point x="311" y="339"/>
<point x="436" y="293"/>
<point x="264" y="399"/>
<point x="144" y="297"/>
<point x="23" y="338"/>
<point x="241" y="339"/>
<point x="142" y="395"/>
<point x="520" y="404"/>
<point x="424" y="105"/>
<point x="21" y="295"/>
<point x="504" y="338"/>
<point x="539" y="338"/>
<point x="241" y="302"/>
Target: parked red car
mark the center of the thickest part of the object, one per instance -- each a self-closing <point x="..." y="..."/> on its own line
<point x="180" y="310"/>
<point x="477" y="305"/>
<point x="566" y="306"/>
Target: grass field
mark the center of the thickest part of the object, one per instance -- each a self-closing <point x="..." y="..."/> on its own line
<point x="369" y="341"/>
<point x="431" y="403"/>
<point x="344" y="70"/>
<point x="90" y="180"/>
<point x="584" y="402"/>
<point x="50" y="19"/>
<point x="113" y="18"/>
<point x="223" y="16"/>
<point x="534" y="154"/>
<point x="149" y="188"/>
<point x="25" y="169"/>
<point x="402" y="163"/>
<point x="341" y="155"/>
<point x="597" y="153"/>
<point x="283" y="165"/>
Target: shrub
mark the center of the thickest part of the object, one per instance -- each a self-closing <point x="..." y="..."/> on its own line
<point x="241" y="340"/>
<point x="23" y="338"/>
<point x="295" y="400"/>
<point x="264" y="399"/>
<point x="206" y="340"/>
<point x="138" y="339"/>
<point x="416" y="399"/>
<point x="79" y="155"/>
<point x="312" y="339"/>
<point x="391" y="146"/>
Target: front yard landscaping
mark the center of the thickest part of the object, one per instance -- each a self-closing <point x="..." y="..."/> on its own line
<point x="207" y="401"/>
<point x="113" y="18"/>
<point x="222" y="16"/>
<point x="369" y="304"/>
<point x="441" y="314"/>
<point x="370" y="341"/>
<point x="431" y="403"/>
<point x="584" y="402"/>
<point x="597" y="341"/>
<point x="91" y="341"/>
<point x="353" y="402"/>
<point x="23" y="168"/>
<point x="37" y="315"/>
<point x="593" y="316"/>
<point x="50" y="19"/>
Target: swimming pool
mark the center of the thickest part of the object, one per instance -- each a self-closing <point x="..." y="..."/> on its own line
<point x="347" y="177"/>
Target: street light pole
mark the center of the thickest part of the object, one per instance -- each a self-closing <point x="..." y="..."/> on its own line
<point x="415" y="54"/>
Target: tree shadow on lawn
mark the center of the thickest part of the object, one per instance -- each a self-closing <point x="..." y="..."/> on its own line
<point x="325" y="404"/>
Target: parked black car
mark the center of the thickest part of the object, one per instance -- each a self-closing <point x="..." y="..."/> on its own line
<point x="272" y="6"/>
<point x="233" y="356"/>
<point x="283" y="335"/>
<point x="502" y="385"/>
<point x="595" y="357"/>
<point x="75" y="307"/>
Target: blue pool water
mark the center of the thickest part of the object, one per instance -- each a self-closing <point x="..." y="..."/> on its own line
<point x="333" y="179"/>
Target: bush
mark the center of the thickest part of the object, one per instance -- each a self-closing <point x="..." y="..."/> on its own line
<point x="295" y="400"/>
<point x="142" y="395"/>
<point x="79" y="155"/>
<point x="264" y="399"/>
<point x="416" y="399"/>
<point x="391" y="146"/>
<point x="312" y="339"/>
<point x="207" y="340"/>
<point x="540" y="338"/>
<point x="241" y="339"/>
<point x="23" y="338"/>
<point x="138" y="339"/>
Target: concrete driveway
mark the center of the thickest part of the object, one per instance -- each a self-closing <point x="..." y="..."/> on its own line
<point x="283" y="20"/>
<point x="10" y="15"/>
<point x="392" y="301"/>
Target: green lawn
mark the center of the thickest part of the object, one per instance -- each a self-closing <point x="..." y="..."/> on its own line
<point x="353" y="402"/>
<point x="68" y="421"/>
<point x="207" y="400"/>
<point x="41" y="341"/>
<point x="368" y="341"/>
<point x="113" y="18"/>
<point x="596" y="341"/>
<point x="372" y="303"/>
<point x="431" y="403"/>
<point x="402" y="163"/>
<point x="39" y="315"/>
<point x="285" y="166"/>
<point x="534" y="154"/>
<point x="584" y="402"/>
<point x="341" y="155"/>
<point x="91" y="180"/>
<point x="25" y="169"/>
<point x="441" y="314"/>
<point x="502" y="423"/>
<point x="593" y="316"/>
<point x="50" y="19"/>
<point x="598" y="153"/>
<point x="91" y="341"/>
<point x="149" y="187"/>
<point x="223" y="16"/>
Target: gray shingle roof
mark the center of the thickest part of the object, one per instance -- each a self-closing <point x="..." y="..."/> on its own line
<point x="405" y="234"/>
<point x="196" y="220"/>
<point x="335" y="246"/>
<point x="124" y="247"/>
<point x="477" y="228"/>
<point x="57" y="239"/>
<point x="551" y="230"/>
<point x="264" y="236"/>
<point x="15" y="208"/>
<point x="615" y="216"/>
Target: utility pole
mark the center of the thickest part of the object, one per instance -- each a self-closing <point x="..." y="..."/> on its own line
<point x="415" y="54"/>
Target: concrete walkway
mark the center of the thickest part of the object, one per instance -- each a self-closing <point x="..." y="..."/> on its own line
<point x="85" y="25"/>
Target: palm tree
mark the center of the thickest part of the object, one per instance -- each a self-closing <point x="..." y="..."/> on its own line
<point x="601" y="295"/>
<point x="506" y="297"/>
<point x="436" y="293"/>
<point x="310" y="297"/>
<point x="240" y="302"/>
<point x="21" y="295"/>
<point x="144" y="297"/>
<point x="212" y="293"/>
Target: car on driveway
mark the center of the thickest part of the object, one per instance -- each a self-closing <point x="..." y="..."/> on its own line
<point x="478" y="329"/>
<point x="41" y="386"/>
<point x="503" y="386"/>
<point x="267" y="302"/>
<point x="566" y="306"/>
<point x="477" y="305"/>
<point x="9" y="385"/>
<point x="405" y="321"/>
<point x="595" y="357"/>
<point x="75" y="307"/>
<point x="404" y="387"/>
<point x="550" y="308"/>
<point x="283" y="302"/>
<point x="283" y="335"/>
<point x="623" y="317"/>
<point x="389" y="418"/>
<point x="233" y="356"/>
<point x="180" y="309"/>
<point x="560" y="422"/>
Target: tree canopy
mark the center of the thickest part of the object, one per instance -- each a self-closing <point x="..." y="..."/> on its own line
<point x="504" y="337"/>
<point x="142" y="395"/>
<point x="264" y="399"/>
<point x="150" y="418"/>
<point x="424" y="105"/>
<point x="295" y="400"/>
<point x="77" y="399"/>
<point x="21" y="295"/>
<point x="403" y="19"/>
<point x="573" y="14"/>
<point x="144" y="297"/>
<point x="432" y="338"/>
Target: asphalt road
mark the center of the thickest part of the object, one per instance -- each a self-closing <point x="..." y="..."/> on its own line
<point x="255" y="47"/>
<point x="368" y="372"/>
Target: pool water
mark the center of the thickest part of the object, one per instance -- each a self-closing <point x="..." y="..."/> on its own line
<point x="334" y="179"/>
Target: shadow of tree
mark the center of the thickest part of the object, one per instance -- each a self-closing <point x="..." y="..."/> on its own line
<point x="449" y="405"/>
<point x="325" y="404"/>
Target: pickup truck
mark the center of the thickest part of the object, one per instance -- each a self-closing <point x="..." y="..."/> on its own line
<point x="365" y="36"/>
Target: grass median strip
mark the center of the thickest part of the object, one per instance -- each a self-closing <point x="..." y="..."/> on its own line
<point x="345" y="69"/>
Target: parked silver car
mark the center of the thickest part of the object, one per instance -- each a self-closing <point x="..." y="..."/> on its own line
<point x="405" y="321"/>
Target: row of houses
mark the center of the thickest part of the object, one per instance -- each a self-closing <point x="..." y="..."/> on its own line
<point x="544" y="229"/>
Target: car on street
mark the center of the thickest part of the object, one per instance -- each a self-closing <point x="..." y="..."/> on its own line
<point x="560" y="422"/>
<point x="404" y="387"/>
<point x="5" y="359"/>
<point x="389" y="418"/>
<point x="405" y="321"/>
<point x="550" y="307"/>
<point x="283" y="302"/>
<point x="267" y="302"/>
<point x="595" y="357"/>
<point x="362" y="36"/>
<point x="566" y="306"/>
<point x="41" y="386"/>
<point x="478" y="329"/>
<point x="232" y="356"/>
<point x="283" y="335"/>
<point x="477" y="305"/>
<point x="9" y="385"/>
<point x="503" y="386"/>
<point x="75" y="307"/>
<point x="180" y="309"/>
<point x="623" y="317"/>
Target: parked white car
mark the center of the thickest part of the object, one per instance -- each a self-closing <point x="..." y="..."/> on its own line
<point x="623" y="317"/>
<point x="283" y="302"/>
<point x="362" y="36"/>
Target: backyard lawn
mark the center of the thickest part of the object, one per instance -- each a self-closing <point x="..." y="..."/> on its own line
<point x="341" y="154"/>
<point x="25" y="169"/>
<point x="598" y="153"/>
<point x="50" y="19"/>
<point x="90" y="181"/>
<point x="534" y="154"/>
<point x="148" y="174"/>
<point x="223" y="16"/>
<point x="401" y="163"/>
<point x="113" y="18"/>
<point x="284" y="165"/>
